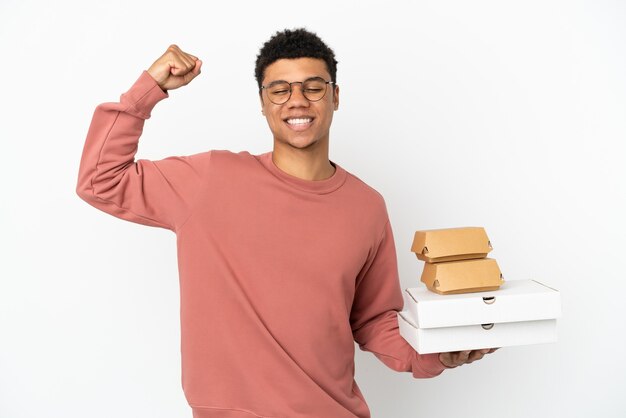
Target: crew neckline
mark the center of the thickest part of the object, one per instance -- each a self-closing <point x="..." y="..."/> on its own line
<point x="327" y="185"/>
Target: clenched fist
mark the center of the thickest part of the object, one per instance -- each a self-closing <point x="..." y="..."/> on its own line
<point x="175" y="68"/>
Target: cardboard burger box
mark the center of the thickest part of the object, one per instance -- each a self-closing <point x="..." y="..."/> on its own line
<point x="451" y="244"/>
<point x="520" y="312"/>
<point x="462" y="276"/>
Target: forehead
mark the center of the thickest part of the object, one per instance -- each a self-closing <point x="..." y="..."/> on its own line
<point x="295" y="69"/>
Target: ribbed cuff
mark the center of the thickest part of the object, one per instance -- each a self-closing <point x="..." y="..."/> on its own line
<point x="143" y="95"/>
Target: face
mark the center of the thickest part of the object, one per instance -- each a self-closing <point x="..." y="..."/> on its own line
<point x="299" y="123"/>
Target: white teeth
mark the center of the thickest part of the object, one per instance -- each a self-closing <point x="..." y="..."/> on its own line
<point x="299" y="121"/>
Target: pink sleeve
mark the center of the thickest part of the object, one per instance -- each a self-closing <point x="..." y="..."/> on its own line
<point x="154" y="193"/>
<point x="373" y="317"/>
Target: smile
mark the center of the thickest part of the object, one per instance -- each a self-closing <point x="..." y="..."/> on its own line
<point x="299" y="121"/>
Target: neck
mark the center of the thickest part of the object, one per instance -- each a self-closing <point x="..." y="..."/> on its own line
<point x="311" y="163"/>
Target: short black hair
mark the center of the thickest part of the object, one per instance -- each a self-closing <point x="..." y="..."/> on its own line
<point x="296" y="43"/>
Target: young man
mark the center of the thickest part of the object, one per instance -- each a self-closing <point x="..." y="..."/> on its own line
<point x="285" y="258"/>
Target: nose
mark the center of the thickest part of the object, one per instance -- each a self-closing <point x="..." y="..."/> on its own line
<point x="297" y="98"/>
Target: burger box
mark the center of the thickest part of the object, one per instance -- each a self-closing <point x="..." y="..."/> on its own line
<point x="520" y="312"/>
<point x="462" y="276"/>
<point x="450" y="244"/>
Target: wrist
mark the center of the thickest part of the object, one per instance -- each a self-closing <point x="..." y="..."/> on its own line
<point x="163" y="89"/>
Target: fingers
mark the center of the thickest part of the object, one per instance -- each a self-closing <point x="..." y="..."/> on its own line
<point x="446" y="359"/>
<point x="475" y="355"/>
<point x="462" y="358"/>
<point x="175" y="68"/>
<point x="459" y="358"/>
<point x="181" y="63"/>
<point x="187" y="77"/>
<point x="454" y="359"/>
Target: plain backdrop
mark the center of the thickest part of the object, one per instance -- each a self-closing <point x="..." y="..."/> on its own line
<point x="507" y="115"/>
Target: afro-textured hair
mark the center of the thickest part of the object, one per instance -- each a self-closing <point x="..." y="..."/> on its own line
<point x="296" y="43"/>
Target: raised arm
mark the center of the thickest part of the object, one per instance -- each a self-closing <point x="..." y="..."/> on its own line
<point x="155" y="193"/>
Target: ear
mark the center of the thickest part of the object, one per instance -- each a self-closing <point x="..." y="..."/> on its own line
<point x="336" y="97"/>
<point x="262" y="104"/>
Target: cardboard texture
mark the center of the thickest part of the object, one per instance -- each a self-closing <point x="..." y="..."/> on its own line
<point x="451" y="244"/>
<point x="475" y="337"/>
<point x="516" y="300"/>
<point x="462" y="276"/>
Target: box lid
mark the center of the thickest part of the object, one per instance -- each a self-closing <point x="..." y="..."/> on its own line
<point x="436" y="245"/>
<point x="463" y="276"/>
<point x="515" y="300"/>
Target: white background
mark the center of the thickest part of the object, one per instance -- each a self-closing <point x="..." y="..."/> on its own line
<point x="508" y="115"/>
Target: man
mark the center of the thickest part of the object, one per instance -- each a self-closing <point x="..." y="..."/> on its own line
<point x="285" y="258"/>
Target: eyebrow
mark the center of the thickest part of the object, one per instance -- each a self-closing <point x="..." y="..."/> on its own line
<point x="276" y="82"/>
<point x="285" y="81"/>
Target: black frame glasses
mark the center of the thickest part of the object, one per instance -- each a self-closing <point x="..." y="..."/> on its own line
<point x="284" y="98"/>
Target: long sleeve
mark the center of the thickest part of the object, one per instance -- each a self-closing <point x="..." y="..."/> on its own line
<point x="154" y="193"/>
<point x="373" y="317"/>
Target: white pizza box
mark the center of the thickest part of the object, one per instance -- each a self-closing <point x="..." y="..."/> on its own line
<point x="514" y="301"/>
<point x="520" y="312"/>
<point x="474" y="337"/>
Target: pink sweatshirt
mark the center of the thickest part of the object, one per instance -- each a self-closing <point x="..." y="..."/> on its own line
<point x="279" y="276"/>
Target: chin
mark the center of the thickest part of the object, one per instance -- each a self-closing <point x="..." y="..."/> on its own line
<point x="300" y="143"/>
<point x="303" y="144"/>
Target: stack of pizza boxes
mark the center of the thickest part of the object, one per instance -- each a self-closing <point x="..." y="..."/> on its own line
<point x="466" y="304"/>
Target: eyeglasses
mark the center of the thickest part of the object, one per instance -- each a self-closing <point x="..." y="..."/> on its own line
<point x="313" y="89"/>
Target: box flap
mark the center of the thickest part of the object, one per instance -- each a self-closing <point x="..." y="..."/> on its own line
<point x="516" y="300"/>
<point x="462" y="276"/>
<point x="437" y="245"/>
